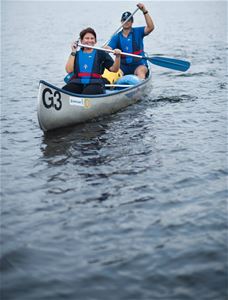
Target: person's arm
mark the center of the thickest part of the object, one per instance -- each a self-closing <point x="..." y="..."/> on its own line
<point x="115" y="67"/>
<point x="70" y="62"/>
<point x="112" y="43"/>
<point x="149" y="22"/>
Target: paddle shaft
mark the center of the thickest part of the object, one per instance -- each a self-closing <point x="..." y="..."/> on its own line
<point x="119" y="85"/>
<point x="117" y="30"/>
<point x="111" y="51"/>
<point x="170" y="63"/>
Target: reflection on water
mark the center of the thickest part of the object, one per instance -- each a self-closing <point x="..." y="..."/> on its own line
<point x="54" y="141"/>
<point x="81" y="141"/>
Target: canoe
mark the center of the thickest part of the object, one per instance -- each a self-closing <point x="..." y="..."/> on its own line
<point x="59" y="108"/>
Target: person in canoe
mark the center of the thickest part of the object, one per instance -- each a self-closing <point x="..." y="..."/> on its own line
<point x="130" y="40"/>
<point x="88" y="65"/>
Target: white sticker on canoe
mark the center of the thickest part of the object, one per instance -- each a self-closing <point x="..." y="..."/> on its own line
<point x="76" y="101"/>
<point x="85" y="102"/>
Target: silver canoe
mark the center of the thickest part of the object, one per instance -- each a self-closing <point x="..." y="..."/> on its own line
<point x="58" y="108"/>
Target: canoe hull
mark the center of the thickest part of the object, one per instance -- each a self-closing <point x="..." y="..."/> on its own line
<point x="58" y="108"/>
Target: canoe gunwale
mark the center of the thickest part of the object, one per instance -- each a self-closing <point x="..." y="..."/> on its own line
<point x="85" y="95"/>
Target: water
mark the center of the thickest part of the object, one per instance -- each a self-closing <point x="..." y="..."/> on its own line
<point x="130" y="206"/>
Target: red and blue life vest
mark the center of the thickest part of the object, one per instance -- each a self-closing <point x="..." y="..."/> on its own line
<point x="133" y="43"/>
<point x="86" y="68"/>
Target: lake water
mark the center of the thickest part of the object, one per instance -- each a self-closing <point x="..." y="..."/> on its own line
<point x="127" y="207"/>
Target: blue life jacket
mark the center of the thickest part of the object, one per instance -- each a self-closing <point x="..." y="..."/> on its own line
<point x="86" y="68"/>
<point x="131" y="44"/>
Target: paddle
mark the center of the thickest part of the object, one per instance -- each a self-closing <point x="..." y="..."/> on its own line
<point x="170" y="63"/>
<point x="117" y="30"/>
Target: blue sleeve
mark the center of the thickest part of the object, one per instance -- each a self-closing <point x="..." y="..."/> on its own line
<point x="141" y="31"/>
<point x="113" y="42"/>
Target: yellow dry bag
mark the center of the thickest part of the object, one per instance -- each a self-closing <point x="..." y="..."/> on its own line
<point x="112" y="76"/>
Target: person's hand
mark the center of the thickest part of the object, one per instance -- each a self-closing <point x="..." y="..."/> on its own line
<point x="74" y="46"/>
<point x="142" y="7"/>
<point x="117" y="52"/>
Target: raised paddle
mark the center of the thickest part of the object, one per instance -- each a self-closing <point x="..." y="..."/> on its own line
<point x="170" y="63"/>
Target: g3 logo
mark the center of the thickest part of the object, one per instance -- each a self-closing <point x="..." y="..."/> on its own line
<point x="51" y="100"/>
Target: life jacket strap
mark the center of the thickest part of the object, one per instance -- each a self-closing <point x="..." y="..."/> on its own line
<point x="86" y="74"/>
<point x="135" y="52"/>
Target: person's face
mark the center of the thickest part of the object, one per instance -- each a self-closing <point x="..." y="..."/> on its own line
<point x="89" y="39"/>
<point x="127" y="25"/>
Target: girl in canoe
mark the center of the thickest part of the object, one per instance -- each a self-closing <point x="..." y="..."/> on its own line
<point x="88" y="65"/>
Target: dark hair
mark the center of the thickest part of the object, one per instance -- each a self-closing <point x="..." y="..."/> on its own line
<point x="88" y="30"/>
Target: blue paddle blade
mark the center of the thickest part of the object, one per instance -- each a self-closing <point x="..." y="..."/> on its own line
<point x="170" y="63"/>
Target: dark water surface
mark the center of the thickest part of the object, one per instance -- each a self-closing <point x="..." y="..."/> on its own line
<point x="130" y="206"/>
